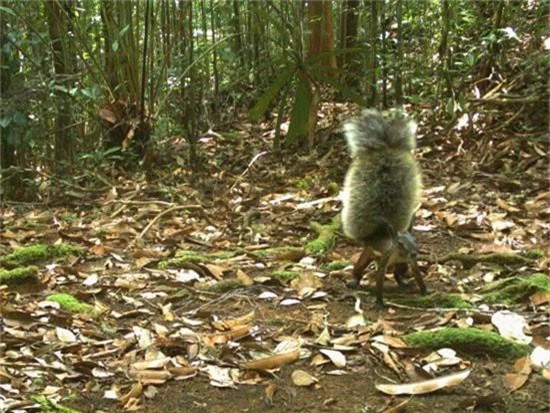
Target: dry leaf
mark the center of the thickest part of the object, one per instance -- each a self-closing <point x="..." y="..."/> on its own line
<point x="150" y="376"/>
<point x="337" y="358"/>
<point x="303" y="378"/>
<point x="542" y="297"/>
<point x="426" y="386"/>
<point x="501" y="203"/>
<point x="245" y="278"/>
<point x="215" y="271"/>
<point x="219" y="376"/>
<point x="270" y="390"/>
<point x="272" y="362"/>
<point x="184" y="372"/>
<point x="520" y="374"/>
<point x="134" y="393"/>
<point x="511" y="325"/>
<point x="151" y="364"/>
<point x="401" y="407"/>
<point x="65" y="335"/>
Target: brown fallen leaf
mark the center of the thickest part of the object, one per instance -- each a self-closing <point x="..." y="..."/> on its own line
<point x="520" y="373"/>
<point x="150" y="376"/>
<point x="215" y="271"/>
<point x="151" y="364"/>
<point x="245" y="278"/>
<point x="401" y="407"/>
<point x="501" y="203"/>
<point x="134" y="393"/>
<point x="183" y="372"/>
<point x="270" y="390"/>
<point x="541" y="297"/>
<point x="426" y="386"/>
<point x="272" y="362"/>
<point x="235" y="333"/>
<point x="303" y="378"/>
<point x="228" y="324"/>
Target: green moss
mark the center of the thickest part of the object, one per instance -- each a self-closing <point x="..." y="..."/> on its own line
<point x="469" y="260"/>
<point x="34" y="254"/>
<point x="275" y="322"/>
<point x="318" y="246"/>
<point x="279" y="254"/>
<point x="515" y="289"/>
<point x="335" y="265"/>
<point x="51" y="406"/>
<point x="333" y="188"/>
<point x="534" y="254"/>
<point x="325" y="238"/>
<point x="19" y="275"/>
<point x="437" y="299"/>
<point x="539" y="281"/>
<point x="72" y="304"/>
<point x="224" y="286"/>
<point x="195" y="257"/>
<point x="472" y="341"/>
<point x="305" y="183"/>
<point x="285" y="274"/>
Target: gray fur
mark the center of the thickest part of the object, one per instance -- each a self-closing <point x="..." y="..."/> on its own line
<point x="383" y="184"/>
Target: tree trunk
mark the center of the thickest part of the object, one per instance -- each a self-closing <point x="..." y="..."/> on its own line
<point x="371" y="56"/>
<point x="321" y="32"/>
<point x="400" y="61"/>
<point x="58" y="15"/>
<point x="349" y="62"/>
<point x="443" y="50"/>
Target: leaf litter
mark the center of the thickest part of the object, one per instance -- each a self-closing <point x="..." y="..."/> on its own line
<point x="224" y="316"/>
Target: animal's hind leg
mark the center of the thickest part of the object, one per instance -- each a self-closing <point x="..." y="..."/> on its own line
<point x="360" y="266"/>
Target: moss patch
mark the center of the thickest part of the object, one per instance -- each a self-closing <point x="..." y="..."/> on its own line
<point x="51" y="406"/>
<point x="516" y="289"/>
<point x="34" y="254"/>
<point x="19" y="275"/>
<point x="280" y="254"/>
<point x="469" y="260"/>
<point x="195" y="257"/>
<point x="534" y="254"/>
<point x="335" y="265"/>
<point x="285" y="274"/>
<point x="72" y="304"/>
<point x="438" y="300"/>
<point x="223" y="286"/>
<point x="472" y="341"/>
<point x="325" y="238"/>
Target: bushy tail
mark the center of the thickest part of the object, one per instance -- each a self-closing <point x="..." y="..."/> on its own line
<point x="374" y="131"/>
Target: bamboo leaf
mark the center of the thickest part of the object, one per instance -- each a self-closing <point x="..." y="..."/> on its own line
<point x="261" y="106"/>
<point x="300" y="111"/>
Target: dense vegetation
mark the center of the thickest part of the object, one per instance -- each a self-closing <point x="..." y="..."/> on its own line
<point x="82" y="79"/>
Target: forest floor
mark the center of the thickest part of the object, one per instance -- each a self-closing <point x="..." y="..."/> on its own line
<point x="205" y="297"/>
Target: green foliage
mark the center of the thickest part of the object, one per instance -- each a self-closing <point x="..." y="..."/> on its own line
<point x="299" y="116"/>
<point x="48" y="405"/>
<point x="335" y="265"/>
<point x="195" y="257"/>
<point x="19" y="275"/>
<point x="471" y="341"/>
<point x="71" y="303"/>
<point x="210" y="63"/>
<point x="37" y="253"/>
<point x="515" y="290"/>
<point x="270" y="94"/>
<point x="325" y="238"/>
<point x="100" y="157"/>
<point x="437" y="300"/>
<point x="285" y="274"/>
